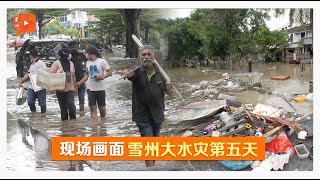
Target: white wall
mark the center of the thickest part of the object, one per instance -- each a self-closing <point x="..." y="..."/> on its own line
<point x="79" y="17"/>
<point x="296" y="37"/>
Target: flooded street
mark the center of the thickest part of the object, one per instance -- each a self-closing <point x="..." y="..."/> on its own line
<point x="29" y="150"/>
<point x="294" y="85"/>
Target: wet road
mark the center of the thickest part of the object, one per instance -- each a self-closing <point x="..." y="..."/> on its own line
<point x="22" y="154"/>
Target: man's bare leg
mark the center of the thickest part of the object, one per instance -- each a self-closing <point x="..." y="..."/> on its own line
<point x="102" y="110"/>
<point x="81" y="107"/>
<point x="93" y="110"/>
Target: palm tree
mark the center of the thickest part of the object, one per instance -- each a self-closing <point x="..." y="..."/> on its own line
<point x="303" y="16"/>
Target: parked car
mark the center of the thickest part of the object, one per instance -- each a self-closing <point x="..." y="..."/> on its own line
<point x="12" y="41"/>
<point x="45" y="48"/>
<point x="19" y="43"/>
<point x="33" y="38"/>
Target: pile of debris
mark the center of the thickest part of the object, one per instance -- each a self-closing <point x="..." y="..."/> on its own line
<point x="214" y="114"/>
<point x="272" y="123"/>
<point x="236" y="83"/>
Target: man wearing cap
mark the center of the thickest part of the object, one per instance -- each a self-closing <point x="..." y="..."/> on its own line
<point x="97" y="69"/>
<point x="36" y="64"/>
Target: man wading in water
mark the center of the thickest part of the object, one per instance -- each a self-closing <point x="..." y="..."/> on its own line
<point x="148" y="90"/>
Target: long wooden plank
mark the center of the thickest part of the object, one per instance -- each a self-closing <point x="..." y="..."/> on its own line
<point x="273" y="131"/>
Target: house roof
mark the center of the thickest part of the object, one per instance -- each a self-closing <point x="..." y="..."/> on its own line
<point x="297" y="29"/>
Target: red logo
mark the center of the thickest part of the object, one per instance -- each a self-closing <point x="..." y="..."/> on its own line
<point x="24" y="23"/>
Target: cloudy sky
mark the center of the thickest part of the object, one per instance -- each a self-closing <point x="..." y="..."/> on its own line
<point x="273" y="23"/>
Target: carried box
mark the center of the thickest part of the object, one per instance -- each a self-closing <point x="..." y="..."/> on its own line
<point x="51" y="81"/>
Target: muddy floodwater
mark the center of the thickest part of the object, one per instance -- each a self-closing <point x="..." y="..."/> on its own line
<point x="28" y="149"/>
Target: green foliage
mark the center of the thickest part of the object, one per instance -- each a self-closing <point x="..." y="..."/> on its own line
<point x="44" y="16"/>
<point x="154" y="40"/>
<point x="47" y="14"/>
<point x="74" y="33"/>
<point x="268" y="40"/>
<point x="111" y="25"/>
<point x="10" y="14"/>
<point x="148" y="19"/>
<point x="220" y="33"/>
<point x="54" y="27"/>
<point x="183" y="44"/>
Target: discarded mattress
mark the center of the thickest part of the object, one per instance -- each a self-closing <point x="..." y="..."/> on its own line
<point x="280" y="77"/>
<point x="196" y="110"/>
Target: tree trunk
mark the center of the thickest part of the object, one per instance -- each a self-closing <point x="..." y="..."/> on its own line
<point x="132" y="18"/>
<point x="146" y="35"/>
<point x="40" y="19"/>
<point x="117" y="38"/>
<point x="109" y="37"/>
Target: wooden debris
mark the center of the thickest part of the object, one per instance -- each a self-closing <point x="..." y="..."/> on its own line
<point x="255" y="123"/>
<point x="296" y="126"/>
<point x="274" y="131"/>
<point x="233" y="130"/>
<point x="271" y="138"/>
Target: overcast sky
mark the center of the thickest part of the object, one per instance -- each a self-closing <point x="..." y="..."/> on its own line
<point x="273" y="24"/>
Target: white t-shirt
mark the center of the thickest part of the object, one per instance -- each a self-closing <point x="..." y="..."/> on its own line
<point x="97" y="67"/>
<point x="34" y="67"/>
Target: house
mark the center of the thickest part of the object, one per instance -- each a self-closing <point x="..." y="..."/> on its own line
<point x="300" y="44"/>
<point x="92" y="23"/>
<point x="80" y="20"/>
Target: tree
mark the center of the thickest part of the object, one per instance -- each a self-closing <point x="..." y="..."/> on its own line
<point x="73" y="32"/>
<point x="54" y="27"/>
<point x="303" y="16"/>
<point x="132" y="20"/>
<point x="148" y="20"/>
<point x="182" y="44"/>
<point x="10" y="14"/>
<point x="212" y="33"/>
<point x="111" y="25"/>
<point x="271" y="42"/>
<point x="44" y="16"/>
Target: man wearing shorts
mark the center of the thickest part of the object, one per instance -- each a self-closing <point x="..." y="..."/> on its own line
<point x="97" y="69"/>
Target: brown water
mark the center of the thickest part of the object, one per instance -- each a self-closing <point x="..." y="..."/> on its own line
<point x="295" y="85"/>
<point x="32" y="152"/>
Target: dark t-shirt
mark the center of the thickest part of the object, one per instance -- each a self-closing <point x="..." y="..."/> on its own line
<point x="147" y="96"/>
<point x="79" y="60"/>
